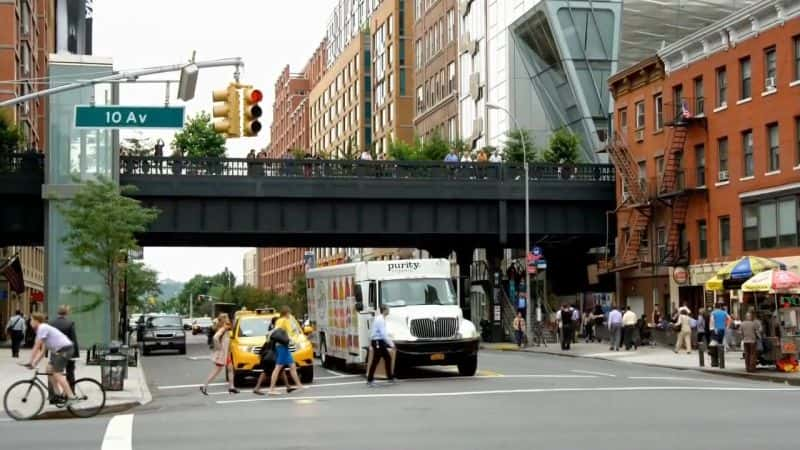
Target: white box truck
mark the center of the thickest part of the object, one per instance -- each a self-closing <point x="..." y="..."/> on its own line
<point x="425" y="320"/>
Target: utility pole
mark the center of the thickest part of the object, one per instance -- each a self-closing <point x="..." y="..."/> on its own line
<point x="191" y="305"/>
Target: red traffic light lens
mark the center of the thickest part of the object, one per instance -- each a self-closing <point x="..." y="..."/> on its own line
<point x="256" y="95"/>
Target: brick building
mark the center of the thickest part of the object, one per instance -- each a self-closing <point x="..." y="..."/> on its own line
<point x="435" y="68"/>
<point x="277" y="268"/>
<point x="708" y="153"/>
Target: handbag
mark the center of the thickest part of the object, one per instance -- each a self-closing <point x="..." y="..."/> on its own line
<point x="759" y="345"/>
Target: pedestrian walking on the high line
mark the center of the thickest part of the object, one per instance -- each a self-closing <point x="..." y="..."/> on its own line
<point x="67" y="326"/>
<point x="283" y="357"/>
<point x="615" y="328"/>
<point x="519" y="329"/>
<point x="684" y="328"/>
<point x="380" y="342"/>
<point x="565" y="317"/>
<point x="16" y="330"/>
<point x="751" y="334"/>
<point x="222" y="354"/>
<point x="629" y="328"/>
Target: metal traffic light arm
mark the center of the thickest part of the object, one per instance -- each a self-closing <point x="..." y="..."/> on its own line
<point x="128" y="75"/>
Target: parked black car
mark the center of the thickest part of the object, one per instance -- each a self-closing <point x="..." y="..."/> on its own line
<point x="163" y="332"/>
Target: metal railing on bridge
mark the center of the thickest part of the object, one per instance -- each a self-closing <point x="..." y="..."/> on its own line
<point x="30" y="161"/>
<point x="393" y="170"/>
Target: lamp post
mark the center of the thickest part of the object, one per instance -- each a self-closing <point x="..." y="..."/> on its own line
<point x="527" y="216"/>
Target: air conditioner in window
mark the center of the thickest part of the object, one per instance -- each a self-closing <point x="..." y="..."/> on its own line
<point x="770" y="83"/>
<point x="722" y="175"/>
<point x="477" y="128"/>
<point x="475" y="86"/>
<point x="640" y="135"/>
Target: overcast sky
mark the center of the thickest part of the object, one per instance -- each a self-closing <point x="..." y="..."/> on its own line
<point x="268" y="34"/>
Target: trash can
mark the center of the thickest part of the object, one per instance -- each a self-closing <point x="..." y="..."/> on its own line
<point x="712" y="352"/>
<point x="112" y="372"/>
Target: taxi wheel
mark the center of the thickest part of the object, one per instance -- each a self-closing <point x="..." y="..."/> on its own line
<point x="307" y="374"/>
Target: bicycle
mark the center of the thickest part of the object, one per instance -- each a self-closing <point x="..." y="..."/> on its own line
<point x="25" y="399"/>
<point x="537" y="332"/>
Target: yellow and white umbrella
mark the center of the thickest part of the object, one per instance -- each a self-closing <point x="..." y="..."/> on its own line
<point x="714" y="284"/>
<point x="773" y="281"/>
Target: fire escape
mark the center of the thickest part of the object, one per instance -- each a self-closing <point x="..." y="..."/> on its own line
<point x="671" y="192"/>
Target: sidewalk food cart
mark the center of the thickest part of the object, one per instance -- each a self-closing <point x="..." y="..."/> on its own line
<point x="777" y="304"/>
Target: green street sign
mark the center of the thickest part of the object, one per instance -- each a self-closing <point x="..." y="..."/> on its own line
<point x="115" y="116"/>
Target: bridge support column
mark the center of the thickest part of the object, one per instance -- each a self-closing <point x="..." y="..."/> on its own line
<point x="76" y="154"/>
<point x="464" y="261"/>
<point x="494" y="258"/>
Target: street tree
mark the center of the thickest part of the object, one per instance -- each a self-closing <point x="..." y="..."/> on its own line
<point x="102" y="223"/>
<point x="434" y="148"/>
<point x="513" y="146"/>
<point x="141" y="283"/>
<point x="11" y="139"/>
<point x="400" y="150"/>
<point x="197" y="138"/>
<point x="563" y="147"/>
<point x="138" y="146"/>
<point x="460" y="146"/>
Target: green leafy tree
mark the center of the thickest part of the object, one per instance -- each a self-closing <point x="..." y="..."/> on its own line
<point x="198" y="139"/>
<point x="513" y="146"/>
<point x="399" y="150"/>
<point x="141" y="283"/>
<point x="563" y="147"/>
<point x="460" y="146"/>
<point x="435" y="148"/>
<point x="102" y="226"/>
<point x="11" y="139"/>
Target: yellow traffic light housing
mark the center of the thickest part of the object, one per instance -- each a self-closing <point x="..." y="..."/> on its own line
<point x="251" y="111"/>
<point x="226" y="111"/>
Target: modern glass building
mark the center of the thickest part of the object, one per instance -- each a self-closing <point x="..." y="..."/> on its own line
<point x="548" y="61"/>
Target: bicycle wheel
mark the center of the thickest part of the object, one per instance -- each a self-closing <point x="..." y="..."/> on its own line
<point x="91" y="398"/>
<point x="24" y="400"/>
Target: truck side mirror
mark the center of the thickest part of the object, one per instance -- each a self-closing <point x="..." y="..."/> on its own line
<point x="359" y="299"/>
<point x="373" y="295"/>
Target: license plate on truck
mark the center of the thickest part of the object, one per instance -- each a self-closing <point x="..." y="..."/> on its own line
<point x="437" y="357"/>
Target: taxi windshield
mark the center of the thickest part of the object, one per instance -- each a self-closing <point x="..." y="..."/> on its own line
<point x="256" y="326"/>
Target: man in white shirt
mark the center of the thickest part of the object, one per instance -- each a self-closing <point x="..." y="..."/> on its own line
<point x="629" y="328"/>
<point x="61" y="350"/>
<point x="366" y="156"/>
<point x="495" y="158"/>
<point x="16" y="330"/>
<point x="380" y="343"/>
<point x="615" y="328"/>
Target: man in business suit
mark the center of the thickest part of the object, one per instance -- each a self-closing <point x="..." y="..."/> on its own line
<point x="67" y="326"/>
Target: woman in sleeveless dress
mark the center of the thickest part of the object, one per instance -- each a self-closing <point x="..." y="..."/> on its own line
<point x="221" y="356"/>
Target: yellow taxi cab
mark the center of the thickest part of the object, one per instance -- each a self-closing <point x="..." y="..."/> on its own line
<point x="249" y="335"/>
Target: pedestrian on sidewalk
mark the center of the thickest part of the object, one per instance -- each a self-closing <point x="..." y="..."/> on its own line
<point x="283" y="356"/>
<point x="614" y="327"/>
<point x="381" y="343"/>
<point x="519" y="328"/>
<point x="565" y="316"/>
<point x="718" y="323"/>
<point x="588" y="326"/>
<point x="629" y="328"/>
<point x="222" y="354"/>
<point x="16" y="330"/>
<point x="67" y="326"/>
<point x="751" y="333"/>
<point x="599" y="318"/>
<point x="522" y="304"/>
<point x="576" y="322"/>
<point x="684" y="328"/>
<point x="702" y="327"/>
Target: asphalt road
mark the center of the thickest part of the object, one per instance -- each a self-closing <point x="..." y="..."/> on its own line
<point x="517" y="401"/>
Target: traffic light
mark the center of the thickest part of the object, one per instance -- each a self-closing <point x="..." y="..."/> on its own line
<point x="251" y="111"/>
<point x="227" y="116"/>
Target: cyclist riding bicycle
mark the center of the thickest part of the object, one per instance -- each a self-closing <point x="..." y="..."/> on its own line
<point x="61" y="350"/>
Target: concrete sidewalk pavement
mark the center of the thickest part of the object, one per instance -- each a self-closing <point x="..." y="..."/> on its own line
<point x="135" y="391"/>
<point x="658" y="356"/>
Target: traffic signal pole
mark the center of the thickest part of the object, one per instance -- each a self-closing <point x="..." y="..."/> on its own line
<point x="130" y="75"/>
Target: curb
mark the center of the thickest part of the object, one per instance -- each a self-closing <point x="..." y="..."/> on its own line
<point x="745" y="375"/>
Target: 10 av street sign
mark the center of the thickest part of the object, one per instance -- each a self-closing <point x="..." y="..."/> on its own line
<point x="116" y="116"/>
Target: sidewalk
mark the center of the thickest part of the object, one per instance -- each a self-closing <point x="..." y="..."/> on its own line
<point x="135" y="393"/>
<point x="659" y="356"/>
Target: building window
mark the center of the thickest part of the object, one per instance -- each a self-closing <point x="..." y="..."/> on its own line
<point x="702" y="239"/>
<point x="770" y="69"/>
<point x="770" y="224"/>
<point x="677" y="101"/>
<point x="659" y="109"/>
<point x="724" y="236"/>
<point x="796" y="47"/>
<point x="623" y="121"/>
<point x="699" y="103"/>
<point x="417" y="54"/>
<point x="722" y="87"/>
<point x="773" y="141"/>
<point x="722" y="159"/>
<point x="451" y="70"/>
<point x="402" y="82"/>
<point x="418" y="9"/>
<point x="700" y="163"/>
<point x="451" y="25"/>
<point x="639" y="115"/>
<point x="745" y="85"/>
<point x="747" y="152"/>
<point x="797" y="141"/>
<point x="661" y="243"/>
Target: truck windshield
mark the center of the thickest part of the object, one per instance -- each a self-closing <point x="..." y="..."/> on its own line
<point x="396" y="293"/>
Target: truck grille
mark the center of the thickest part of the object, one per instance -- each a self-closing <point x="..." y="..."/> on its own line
<point x="434" y="329"/>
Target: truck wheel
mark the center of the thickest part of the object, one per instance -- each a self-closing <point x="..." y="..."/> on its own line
<point x="468" y="366"/>
<point x="323" y="353"/>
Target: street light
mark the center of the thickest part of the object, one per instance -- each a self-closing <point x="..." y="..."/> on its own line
<point x="527" y="215"/>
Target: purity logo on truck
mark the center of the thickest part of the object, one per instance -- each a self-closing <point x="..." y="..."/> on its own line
<point x="404" y="267"/>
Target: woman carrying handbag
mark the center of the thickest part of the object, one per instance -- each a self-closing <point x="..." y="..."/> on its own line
<point x="221" y="355"/>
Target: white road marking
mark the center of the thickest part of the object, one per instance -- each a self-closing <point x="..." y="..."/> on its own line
<point x="119" y="433"/>
<point x="184" y="386"/>
<point x="6" y="420"/>
<point x="514" y="391"/>
<point x="199" y="358"/>
<point x="532" y="376"/>
<point x="337" y="376"/>
<point x="589" y="372"/>
<point x="674" y="379"/>
<point x="334" y="373"/>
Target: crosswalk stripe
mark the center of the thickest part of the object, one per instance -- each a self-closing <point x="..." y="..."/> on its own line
<point x="119" y="433"/>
